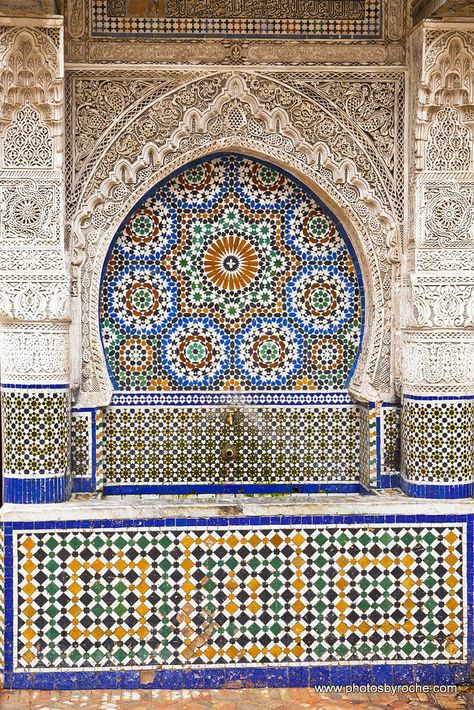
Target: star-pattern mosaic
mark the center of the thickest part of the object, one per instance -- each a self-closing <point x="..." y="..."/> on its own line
<point x="43" y="417"/>
<point x="114" y="598"/>
<point x="438" y="441"/>
<point x="391" y="439"/>
<point x="273" y="444"/>
<point x="81" y="445"/>
<point x="231" y="276"/>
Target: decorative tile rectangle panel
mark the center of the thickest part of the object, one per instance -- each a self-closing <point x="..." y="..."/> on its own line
<point x="438" y="441"/>
<point x="317" y="18"/>
<point x="81" y="444"/>
<point x="274" y="444"/>
<point x="235" y="595"/>
<point x="390" y="439"/>
<point x="43" y="418"/>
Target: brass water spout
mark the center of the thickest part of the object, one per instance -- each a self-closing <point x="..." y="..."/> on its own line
<point x="230" y="418"/>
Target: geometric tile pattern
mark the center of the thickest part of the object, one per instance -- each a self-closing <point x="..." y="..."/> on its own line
<point x="231" y="277"/>
<point x="81" y="445"/>
<point x="41" y="422"/>
<point x="391" y="422"/>
<point x="274" y="444"/>
<point x="348" y="18"/>
<point x="112" y="598"/>
<point x="368" y="445"/>
<point x="438" y="441"/>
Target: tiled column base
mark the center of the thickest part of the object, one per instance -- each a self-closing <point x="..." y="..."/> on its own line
<point x="35" y="443"/>
<point x="438" y="447"/>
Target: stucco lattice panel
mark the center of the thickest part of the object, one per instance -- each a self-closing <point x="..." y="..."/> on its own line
<point x="125" y="598"/>
<point x="182" y="445"/>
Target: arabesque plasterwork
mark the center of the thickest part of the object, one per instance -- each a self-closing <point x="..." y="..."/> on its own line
<point x="34" y="278"/>
<point x="438" y="288"/>
<point x="311" y="128"/>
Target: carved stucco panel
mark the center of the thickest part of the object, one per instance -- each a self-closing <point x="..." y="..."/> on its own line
<point x="437" y="301"/>
<point x="38" y="353"/>
<point x="438" y="362"/>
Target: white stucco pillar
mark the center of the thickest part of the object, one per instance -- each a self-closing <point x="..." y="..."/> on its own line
<point x="34" y="280"/>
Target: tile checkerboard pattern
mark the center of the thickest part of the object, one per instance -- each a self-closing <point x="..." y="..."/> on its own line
<point x="113" y="598"/>
<point x="328" y="18"/>
<point x="274" y="444"/>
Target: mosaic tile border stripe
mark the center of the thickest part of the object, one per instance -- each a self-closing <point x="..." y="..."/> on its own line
<point x="298" y="675"/>
<point x="226" y="398"/>
<point x="351" y="23"/>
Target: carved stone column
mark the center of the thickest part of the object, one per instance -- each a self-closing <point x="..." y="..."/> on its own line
<point x="34" y="280"/>
<point x="438" y="286"/>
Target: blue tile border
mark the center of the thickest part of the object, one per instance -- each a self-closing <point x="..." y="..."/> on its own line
<point x="439" y="492"/>
<point x="35" y="490"/>
<point x="303" y="676"/>
<point x="234" y="488"/>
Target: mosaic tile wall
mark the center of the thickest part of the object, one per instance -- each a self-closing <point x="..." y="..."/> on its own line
<point x="38" y="461"/>
<point x="438" y="441"/>
<point x="231" y="280"/>
<point x="294" y="445"/>
<point x="354" y="19"/>
<point x="230" y="276"/>
<point x="226" y="595"/>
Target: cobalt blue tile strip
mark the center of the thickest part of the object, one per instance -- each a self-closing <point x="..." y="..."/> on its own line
<point x="223" y="398"/>
<point x="253" y="677"/>
<point x="424" y="490"/>
<point x="34" y="490"/>
<point x="232" y="488"/>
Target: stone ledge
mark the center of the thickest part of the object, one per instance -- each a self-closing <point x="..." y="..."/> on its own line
<point x="142" y="508"/>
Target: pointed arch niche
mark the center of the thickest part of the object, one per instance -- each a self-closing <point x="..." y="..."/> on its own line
<point x="234" y="123"/>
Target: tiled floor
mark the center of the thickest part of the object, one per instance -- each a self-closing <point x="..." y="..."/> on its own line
<point x="267" y="699"/>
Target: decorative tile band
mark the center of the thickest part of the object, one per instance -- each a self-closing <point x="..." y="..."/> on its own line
<point x="35" y="444"/>
<point x="194" y="399"/>
<point x="438" y="447"/>
<point x="349" y="19"/>
<point x="221" y="595"/>
<point x="178" y="446"/>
